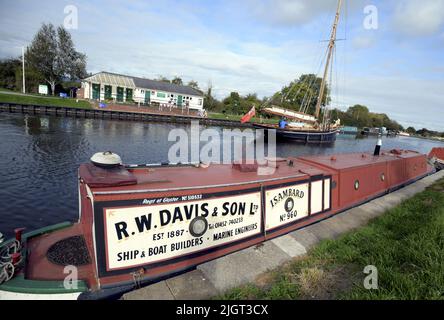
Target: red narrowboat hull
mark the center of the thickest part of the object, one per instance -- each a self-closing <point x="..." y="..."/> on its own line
<point x="141" y="224"/>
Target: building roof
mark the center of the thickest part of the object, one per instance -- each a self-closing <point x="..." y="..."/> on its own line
<point x="112" y="79"/>
<point x="136" y="82"/>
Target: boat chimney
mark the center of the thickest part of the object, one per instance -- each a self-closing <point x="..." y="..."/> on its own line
<point x="378" y="145"/>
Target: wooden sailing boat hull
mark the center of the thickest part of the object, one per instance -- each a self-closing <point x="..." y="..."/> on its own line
<point x="303" y="136"/>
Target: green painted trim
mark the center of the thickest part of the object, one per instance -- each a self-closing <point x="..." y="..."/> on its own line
<point x="119" y="95"/>
<point x="108" y="92"/>
<point x="96" y="91"/>
<point x="40" y="231"/>
<point x="21" y="285"/>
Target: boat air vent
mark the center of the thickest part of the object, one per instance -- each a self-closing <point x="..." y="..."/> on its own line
<point x="106" y="159"/>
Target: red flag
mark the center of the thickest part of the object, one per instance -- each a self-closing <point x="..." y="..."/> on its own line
<point x="250" y="114"/>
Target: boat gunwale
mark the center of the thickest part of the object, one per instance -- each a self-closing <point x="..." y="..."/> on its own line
<point x="301" y="174"/>
<point x="295" y="130"/>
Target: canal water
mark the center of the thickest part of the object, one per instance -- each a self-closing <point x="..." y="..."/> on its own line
<point x="40" y="156"/>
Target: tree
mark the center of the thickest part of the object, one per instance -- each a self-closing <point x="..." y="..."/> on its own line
<point x="211" y="103"/>
<point x="411" y="130"/>
<point x="33" y="78"/>
<point x="359" y="115"/>
<point x="301" y="94"/>
<point x="232" y="103"/>
<point x="52" y="54"/>
<point x="8" y="69"/>
<point x="163" y="79"/>
<point x="177" y="80"/>
<point x="193" y="84"/>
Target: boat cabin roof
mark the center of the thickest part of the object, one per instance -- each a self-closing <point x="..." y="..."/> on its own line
<point x="125" y="180"/>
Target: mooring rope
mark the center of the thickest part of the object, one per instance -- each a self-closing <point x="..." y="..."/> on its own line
<point x="7" y="268"/>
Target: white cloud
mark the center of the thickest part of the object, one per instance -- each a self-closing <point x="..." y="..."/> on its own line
<point x="419" y="18"/>
<point x="297" y="12"/>
<point x="363" y="41"/>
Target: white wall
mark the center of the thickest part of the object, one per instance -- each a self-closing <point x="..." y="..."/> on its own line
<point x="194" y="102"/>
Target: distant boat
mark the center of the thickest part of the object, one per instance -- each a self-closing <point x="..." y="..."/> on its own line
<point x="348" y="130"/>
<point x="373" y="131"/>
<point x="304" y="127"/>
<point x="404" y="134"/>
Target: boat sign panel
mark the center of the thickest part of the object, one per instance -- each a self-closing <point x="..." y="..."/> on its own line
<point x="166" y="228"/>
<point x="285" y="205"/>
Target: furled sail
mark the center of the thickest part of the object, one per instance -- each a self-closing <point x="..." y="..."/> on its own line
<point x="290" y="114"/>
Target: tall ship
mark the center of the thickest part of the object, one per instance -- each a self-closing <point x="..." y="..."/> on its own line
<point x="300" y="125"/>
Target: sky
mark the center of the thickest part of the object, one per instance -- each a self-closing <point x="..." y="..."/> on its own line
<point x="390" y="56"/>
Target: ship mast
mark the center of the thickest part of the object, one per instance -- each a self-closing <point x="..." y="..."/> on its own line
<point x="331" y="45"/>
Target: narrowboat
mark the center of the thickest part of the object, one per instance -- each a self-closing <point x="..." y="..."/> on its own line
<point x="138" y="224"/>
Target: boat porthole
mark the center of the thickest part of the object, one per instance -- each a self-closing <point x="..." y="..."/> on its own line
<point x="289" y="204"/>
<point x="382" y="177"/>
<point x="198" y="226"/>
<point x="356" y="184"/>
<point x="333" y="184"/>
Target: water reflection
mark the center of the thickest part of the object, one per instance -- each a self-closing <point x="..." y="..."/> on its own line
<point x="41" y="155"/>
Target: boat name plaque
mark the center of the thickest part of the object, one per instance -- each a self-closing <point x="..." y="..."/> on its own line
<point x="286" y="205"/>
<point x="160" y="230"/>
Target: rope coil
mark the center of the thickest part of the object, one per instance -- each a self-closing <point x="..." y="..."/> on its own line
<point x="7" y="268"/>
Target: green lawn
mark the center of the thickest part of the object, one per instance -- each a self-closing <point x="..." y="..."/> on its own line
<point x="43" y="100"/>
<point x="406" y="244"/>
<point x="235" y="117"/>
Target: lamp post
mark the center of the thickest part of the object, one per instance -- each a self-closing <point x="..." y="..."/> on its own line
<point x="23" y="68"/>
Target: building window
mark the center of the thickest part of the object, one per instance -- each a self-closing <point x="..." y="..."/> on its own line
<point x="161" y="95"/>
<point x="141" y="91"/>
<point x="200" y="102"/>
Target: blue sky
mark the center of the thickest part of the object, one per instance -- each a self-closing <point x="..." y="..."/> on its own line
<point x="259" y="46"/>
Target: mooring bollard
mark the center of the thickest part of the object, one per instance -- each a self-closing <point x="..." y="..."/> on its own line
<point x="378" y="146"/>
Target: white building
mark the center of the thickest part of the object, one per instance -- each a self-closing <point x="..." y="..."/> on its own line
<point x="106" y="86"/>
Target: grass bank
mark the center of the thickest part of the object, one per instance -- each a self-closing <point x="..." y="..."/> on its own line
<point x="406" y="245"/>
<point x="8" y="97"/>
<point x="235" y="117"/>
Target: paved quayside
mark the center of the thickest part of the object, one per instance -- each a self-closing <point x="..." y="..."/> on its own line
<point x="217" y="276"/>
